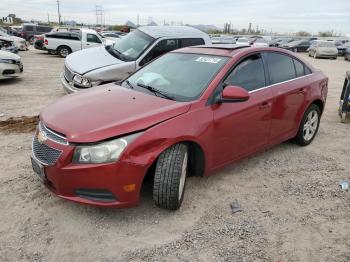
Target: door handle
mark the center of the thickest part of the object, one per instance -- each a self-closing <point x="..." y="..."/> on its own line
<point x="301" y="91"/>
<point x="264" y="105"/>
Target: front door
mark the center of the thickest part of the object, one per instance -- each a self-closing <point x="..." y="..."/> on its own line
<point x="243" y="128"/>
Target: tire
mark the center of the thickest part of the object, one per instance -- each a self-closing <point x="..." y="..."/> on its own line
<point x="170" y="177"/>
<point x="343" y="116"/>
<point x="31" y="40"/>
<point x="64" y="51"/>
<point x="347" y="57"/>
<point x="304" y="136"/>
<point x="52" y="52"/>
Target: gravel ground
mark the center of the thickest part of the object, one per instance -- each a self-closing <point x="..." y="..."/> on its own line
<point x="292" y="208"/>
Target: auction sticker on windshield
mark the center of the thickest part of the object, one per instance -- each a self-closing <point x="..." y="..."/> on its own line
<point x="212" y="60"/>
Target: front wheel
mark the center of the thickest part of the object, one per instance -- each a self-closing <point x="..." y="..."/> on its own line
<point x="309" y="126"/>
<point x="170" y="177"/>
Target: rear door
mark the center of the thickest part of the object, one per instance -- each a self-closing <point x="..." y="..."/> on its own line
<point x="289" y="88"/>
<point x="243" y="128"/>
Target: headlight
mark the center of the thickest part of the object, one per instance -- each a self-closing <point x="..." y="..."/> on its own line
<point x="82" y="81"/>
<point x="105" y="152"/>
<point x="7" y="61"/>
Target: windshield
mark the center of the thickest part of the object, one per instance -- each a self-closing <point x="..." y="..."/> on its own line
<point x="181" y="76"/>
<point x="131" y="46"/>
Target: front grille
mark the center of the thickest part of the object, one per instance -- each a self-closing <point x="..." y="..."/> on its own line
<point x="68" y="74"/>
<point x="44" y="153"/>
<point x="52" y="135"/>
<point x="9" y="72"/>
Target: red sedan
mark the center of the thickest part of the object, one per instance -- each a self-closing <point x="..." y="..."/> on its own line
<point x="190" y="112"/>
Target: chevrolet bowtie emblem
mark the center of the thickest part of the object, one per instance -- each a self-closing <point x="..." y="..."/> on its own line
<point x="41" y="137"/>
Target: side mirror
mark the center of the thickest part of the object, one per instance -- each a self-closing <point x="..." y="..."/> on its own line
<point x="234" y="94"/>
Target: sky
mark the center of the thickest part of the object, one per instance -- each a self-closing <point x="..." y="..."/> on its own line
<point x="283" y="16"/>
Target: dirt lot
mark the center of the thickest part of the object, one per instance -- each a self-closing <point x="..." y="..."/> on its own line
<point x="292" y="208"/>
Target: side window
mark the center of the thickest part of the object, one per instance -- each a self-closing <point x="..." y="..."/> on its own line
<point x="307" y="71"/>
<point x="281" y="67"/>
<point x="91" y="38"/>
<point x="299" y="68"/>
<point x="248" y="74"/>
<point x="74" y="36"/>
<point x="191" y="42"/>
<point x="162" y="47"/>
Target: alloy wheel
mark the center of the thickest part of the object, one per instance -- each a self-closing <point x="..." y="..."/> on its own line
<point x="310" y="125"/>
<point x="183" y="175"/>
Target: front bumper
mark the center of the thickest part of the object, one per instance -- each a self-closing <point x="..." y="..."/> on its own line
<point x="68" y="86"/>
<point x="327" y="55"/>
<point x="86" y="183"/>
<point x="8" y="71"/>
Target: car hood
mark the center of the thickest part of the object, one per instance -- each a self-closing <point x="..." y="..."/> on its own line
<point x="108" y="111"/>
<point x="17" y="39"/>
<point x="8" y="55"/>
<point x="89" y="59"/>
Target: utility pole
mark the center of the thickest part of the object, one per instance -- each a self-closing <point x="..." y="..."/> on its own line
<point x="48" y="18"/>
<point x="59" y="13"/>
<point x="99" y="15"/>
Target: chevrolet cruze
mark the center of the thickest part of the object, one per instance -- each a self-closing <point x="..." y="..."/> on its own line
<point x="188" y="113"/>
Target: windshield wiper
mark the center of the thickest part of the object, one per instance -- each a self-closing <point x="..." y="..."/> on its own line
<point x="155" y="91"/>
<point x="129" y="84"/>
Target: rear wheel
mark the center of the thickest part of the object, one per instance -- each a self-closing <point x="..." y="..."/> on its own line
<point x="31" y="40"/>
<point x="64" y="51"/>
<point x="309" y="126"/>
<point x="170" y="177"/>
<point x="343" y="117"/>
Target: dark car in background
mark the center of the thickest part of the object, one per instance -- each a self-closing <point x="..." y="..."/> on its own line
<point x="30" y="30"/>
<point x="342" y="48"/>
<point x="347" y="54"/>
<point x="298" y="46"/>
<point x="282" y="41"/>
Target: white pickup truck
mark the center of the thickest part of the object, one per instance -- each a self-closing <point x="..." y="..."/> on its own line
<point x="64" y="43"/>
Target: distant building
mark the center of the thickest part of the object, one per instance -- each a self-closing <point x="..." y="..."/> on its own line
<point x="152" y="24"/>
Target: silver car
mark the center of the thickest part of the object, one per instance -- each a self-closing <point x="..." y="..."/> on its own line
<point x="320" y="48"/>
<point x="105" y="64"/>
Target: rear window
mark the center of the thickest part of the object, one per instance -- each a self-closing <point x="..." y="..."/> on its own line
<point x="281" y="67"/>
<point x="28" y="28"/>
<point x="192" y="42"/>
<point x="299" y="68"/>
<point x="326" y="44"/>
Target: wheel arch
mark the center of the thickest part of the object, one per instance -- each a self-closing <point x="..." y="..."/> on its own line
<point x="58" y="48"/>
<point x="196" y="163"/>
<point x="319" y="103"/>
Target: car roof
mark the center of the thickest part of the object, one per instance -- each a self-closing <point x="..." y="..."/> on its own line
<point x="172" y="31"/>
<point x="228" y="50"/>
